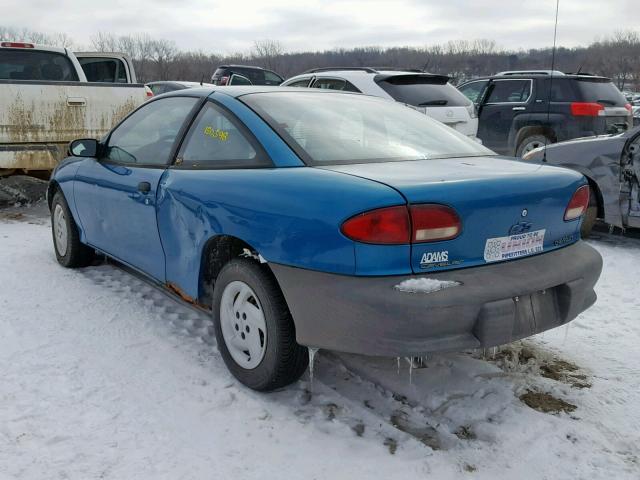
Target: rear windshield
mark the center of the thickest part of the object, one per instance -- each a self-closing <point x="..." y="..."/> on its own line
<point x="423" y="92"/>
<point x="25" y="64"/>
<point x="335" y="128"/>
<point x="602" y="92"/>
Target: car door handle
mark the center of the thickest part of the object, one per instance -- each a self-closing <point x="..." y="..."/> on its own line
<point x="519" y="109"/>
<point x="76" y="102"/>
<point x="144" y="187"/>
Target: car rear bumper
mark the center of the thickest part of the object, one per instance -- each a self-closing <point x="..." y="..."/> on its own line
<point x="493" y="305"/>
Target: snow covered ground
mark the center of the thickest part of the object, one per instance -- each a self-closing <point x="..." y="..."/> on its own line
<point x="104" y="376"/>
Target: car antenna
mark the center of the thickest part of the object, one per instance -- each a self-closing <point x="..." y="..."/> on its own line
<point x="202" y="80"/>
<point x="553" y="66"/>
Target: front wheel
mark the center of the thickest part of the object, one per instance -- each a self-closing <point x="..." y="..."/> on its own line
<point x="70" y="252"/>
<point x="254" y="328"/>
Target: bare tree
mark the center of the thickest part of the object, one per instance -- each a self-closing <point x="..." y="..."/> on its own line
<point x="163" y="53"/>
<point x="268" y="53"/>
<point x="616" y="56"/>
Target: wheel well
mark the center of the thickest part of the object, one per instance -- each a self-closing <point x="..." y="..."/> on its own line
<point x="51" y="191"/>
<point x="217" y="252"/>
<point x="536" y="130"/>
<point x="600" y="201"/>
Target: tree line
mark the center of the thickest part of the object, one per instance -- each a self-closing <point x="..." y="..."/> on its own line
<point x="616" y="56"/>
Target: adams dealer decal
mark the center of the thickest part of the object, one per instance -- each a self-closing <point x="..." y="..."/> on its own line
<point x="435" y="259"/>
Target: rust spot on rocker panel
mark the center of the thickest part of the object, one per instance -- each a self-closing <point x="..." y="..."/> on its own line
<point x="178" y="291"/>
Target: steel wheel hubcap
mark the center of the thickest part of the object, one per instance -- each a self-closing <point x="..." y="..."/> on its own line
<point x="60" y="229"/>
<point x="243" y="325"/>
<point x="531" y="146"/>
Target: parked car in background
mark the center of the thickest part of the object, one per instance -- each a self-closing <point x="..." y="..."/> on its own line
<point x="636" y="115"/>
<point x="244" y="75"/>
<point x="516" y="115"/>
<point x="160" y="87"/>
<point x="428" y="93"/>
<point x="46" y="101"/>
<point x="311" y="218"/>
<point x="612" y="166"/>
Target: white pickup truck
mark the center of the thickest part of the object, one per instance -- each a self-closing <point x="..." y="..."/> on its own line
<point x="49" y="96"/>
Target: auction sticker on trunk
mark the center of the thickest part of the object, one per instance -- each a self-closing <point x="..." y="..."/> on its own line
<point x="514" y="246"/>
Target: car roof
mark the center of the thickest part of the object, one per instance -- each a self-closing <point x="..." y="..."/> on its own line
<point x="365" y="73"/>
<point x="238" y="91"/>
<point x="360" y="71"/>
<point x="184" y="83"/>
<point x="520" y="76"/>
<point x="241" y="66"/>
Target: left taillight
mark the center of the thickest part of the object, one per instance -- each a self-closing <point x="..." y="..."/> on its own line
<point x="148" y="91"/>
<point x="403" y="225"/>
<point x="578" y="204"/>
<point x="386" y="226"/>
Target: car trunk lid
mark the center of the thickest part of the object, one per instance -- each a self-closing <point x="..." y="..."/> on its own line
<point x="508" y="209"/>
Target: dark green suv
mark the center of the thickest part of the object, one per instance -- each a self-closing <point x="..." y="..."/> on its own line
<point x="516" y="116"/>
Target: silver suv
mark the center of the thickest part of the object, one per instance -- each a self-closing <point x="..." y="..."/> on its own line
<point x="426" y="92"/>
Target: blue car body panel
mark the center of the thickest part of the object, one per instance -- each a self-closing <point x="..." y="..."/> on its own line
<point x="291" y="214"/>
<point x="118" y="219"/>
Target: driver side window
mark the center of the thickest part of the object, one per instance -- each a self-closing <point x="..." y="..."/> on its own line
<point x="148" y="135"/>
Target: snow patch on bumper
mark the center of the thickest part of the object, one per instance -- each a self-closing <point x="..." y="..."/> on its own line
<point x="425" y="285"/>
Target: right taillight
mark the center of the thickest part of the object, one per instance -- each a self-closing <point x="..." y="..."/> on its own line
<point x="578" y="204"/>
<point x="403" y="225"/>
<point x="586" y="109"/>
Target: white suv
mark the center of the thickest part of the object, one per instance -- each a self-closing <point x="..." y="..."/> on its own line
<point x="428" y="93"/>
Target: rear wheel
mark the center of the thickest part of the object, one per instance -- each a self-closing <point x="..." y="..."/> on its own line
<point x="590" y="216"/>
<point x="531" y="142"/>
<point x="254" y="328"/>
<point x="70" y="252"/>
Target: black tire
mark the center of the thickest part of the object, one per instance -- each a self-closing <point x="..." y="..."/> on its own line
<point x="284" y="360"/>
<point x="532" y="141"/>
<point x="590" y="216"/>
<point x="76" y="254"/>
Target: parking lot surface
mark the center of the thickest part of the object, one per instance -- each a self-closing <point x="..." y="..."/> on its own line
<point x="105" y="376"/>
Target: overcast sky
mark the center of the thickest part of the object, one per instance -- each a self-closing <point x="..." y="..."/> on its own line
<point x="232" y="25"/>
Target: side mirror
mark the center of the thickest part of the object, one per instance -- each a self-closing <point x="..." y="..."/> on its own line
<point x="84" y="147"/>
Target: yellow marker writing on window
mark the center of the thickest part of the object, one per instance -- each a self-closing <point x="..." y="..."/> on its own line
<point x="216" y="133"/>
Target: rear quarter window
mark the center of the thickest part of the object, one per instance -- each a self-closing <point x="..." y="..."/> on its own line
<point x="510" y="91"/>
<point x="22" y="64"/>
<point x="271" y="78"/>
<point x="424" y="92"/>
<point x="256" y="76"/>
<point x="335" y="84"/>
<point x="107" y="70"/>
